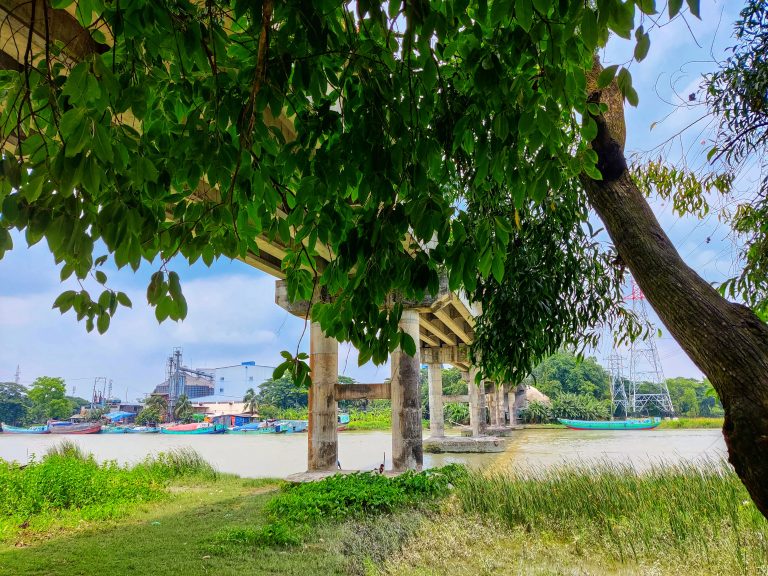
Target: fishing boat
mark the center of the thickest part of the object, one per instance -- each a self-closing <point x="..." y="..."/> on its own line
<point x="70" y="428"/>
<point x="341" y="421"/>
<point x="30" y="430"/>
<point x="194" y="428"/>
<point x="628" y="424"/>
<point x="291" y="426"/>
<point x="253" y="428"/>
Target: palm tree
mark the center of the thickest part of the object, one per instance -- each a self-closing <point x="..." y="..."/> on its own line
<point x="251" y="401"/>
<point x="183" y="410"/>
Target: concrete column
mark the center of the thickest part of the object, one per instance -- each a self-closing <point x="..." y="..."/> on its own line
<point x="407" y="453"/>
<point x="506" y="415"/>
<point x="476" y="403"/>
<point x="493" y="405"/>
<point x="499" y="396"/>
<point x="436" y="418"/>
<point x="323" y="453"/>
<point x="512" y="407"/>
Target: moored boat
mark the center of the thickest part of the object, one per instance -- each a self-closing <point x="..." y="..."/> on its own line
<point x="143" y="430"/>
<point x="341" y="421"/>
<point x="195" y="428"/>
<point x="70" y="428"/>
<point x="30" y="430"/>
<point x="114" y="430"/>
<point x="628" y="424"/>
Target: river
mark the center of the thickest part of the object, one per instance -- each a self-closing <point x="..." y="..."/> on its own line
<point x="280" y="455"/>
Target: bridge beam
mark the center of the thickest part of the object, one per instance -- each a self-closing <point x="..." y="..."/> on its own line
<point x="363" y="391"/>
<point x="407" y="451"/>
<point x="323" y="446"/>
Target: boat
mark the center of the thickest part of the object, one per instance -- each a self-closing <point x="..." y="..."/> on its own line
<point x="628" y="424"/>
<point x="70" y="428"/>
<point x="30" y="430"/>
<point x="114" y="430"/>
<point x="342" y="420"/>
<point x="290" y="426"/>
<point x="142" y="430"/>
<point x="194" y="428"/>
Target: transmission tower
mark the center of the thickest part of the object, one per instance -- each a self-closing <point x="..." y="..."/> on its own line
<point x="646" y="379"/>
<point x="619" y="400"/>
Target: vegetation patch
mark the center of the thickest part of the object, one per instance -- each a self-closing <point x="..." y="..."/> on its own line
<point x="684" y="511"/>
<point x="66" y="480"/>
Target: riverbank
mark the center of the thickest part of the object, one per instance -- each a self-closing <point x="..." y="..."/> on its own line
<point x="607" y="520"/>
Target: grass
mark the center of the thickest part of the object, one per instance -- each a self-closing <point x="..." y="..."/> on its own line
<point x="692" y="423"/>
<point x="608" y="519"/>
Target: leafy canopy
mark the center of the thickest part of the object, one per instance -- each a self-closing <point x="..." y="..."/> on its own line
<point x="202" y="129"/>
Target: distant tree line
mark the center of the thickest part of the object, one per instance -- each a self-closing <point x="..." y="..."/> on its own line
<point x="581" y="389"/>
<point x="45" y="400"/>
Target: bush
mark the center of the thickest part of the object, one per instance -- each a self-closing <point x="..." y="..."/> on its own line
<point x="177" y="463"/>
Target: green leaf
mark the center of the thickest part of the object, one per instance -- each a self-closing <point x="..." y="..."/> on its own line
<point x="647" y="6"/>
<point x="642" y="46"/>
<point x="693" y="6"/>
<point x="606" y="76"/>
<point x="524" y="14"/>
<point x="674" y="7"/>
<point x="543" y="6"/>
<point x="102" y="323"/>
<point x="407" y="344"/>
<point x="64" y="301"/>
<point x="101" y="278"/>
<point x="484" y="265"/>
<point x="123" y="299"/>
<point x="498" y="266"/>
<point x="102" y="145"/>
<point x="589" y="29"/>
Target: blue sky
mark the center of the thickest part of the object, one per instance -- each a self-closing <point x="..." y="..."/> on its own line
<point x="232" y="315"/>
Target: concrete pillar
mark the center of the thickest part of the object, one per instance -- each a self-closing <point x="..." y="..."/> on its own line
<point x="506" y="415"/>
<point x="407" y="453"/>
<point x="476" y="403"/>
<point x="512" y="406"/>
<point x="436" y="418"/>
<point x="323" y="453"/>
<point x="498" y="394"/>
<point x="493" y="405"/>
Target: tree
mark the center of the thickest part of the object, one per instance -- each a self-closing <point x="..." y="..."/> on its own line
<point x="487" y="133"/>
<point x="183" y="410"/>
<point x="282" y="393"/>
<point x="13" y="403"/>
<point x="47" y="401"/>
<point x="155" y="410"/>
<point x="250" y="401"/>
<point x="563" y="372"/>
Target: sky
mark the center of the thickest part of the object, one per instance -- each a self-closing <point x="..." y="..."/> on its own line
<point x="232" y="315"/>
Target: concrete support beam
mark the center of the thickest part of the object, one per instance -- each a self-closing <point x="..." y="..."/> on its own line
<point x="363" y="391"/>
<point x="456" y="398"/>
<point x="323" y="453"/>
<point x="476" y="403"/>
<point x="445" y="355"/>
<point x="439" y="329"/>
<point x="436" y="418"/>
<point x="453" y="320"/>
<point x="407" y="452"/>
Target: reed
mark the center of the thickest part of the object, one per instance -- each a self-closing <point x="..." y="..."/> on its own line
<point x="682" y="510"/>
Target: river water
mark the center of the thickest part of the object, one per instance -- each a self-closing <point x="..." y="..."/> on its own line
<point x="284" y="454"/>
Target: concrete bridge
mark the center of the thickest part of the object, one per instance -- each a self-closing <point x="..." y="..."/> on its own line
<point x="442" y="325"/>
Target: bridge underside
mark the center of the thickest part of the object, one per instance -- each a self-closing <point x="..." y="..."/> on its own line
<point x="442" y="325"/>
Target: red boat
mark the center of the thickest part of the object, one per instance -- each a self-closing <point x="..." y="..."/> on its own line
<point x="70" y="428"/>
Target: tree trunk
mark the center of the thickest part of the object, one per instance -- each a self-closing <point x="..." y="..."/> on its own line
<point x="725" y="340"/>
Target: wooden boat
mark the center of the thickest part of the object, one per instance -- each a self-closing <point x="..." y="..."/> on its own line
<point x="342" y="420"/>
<point x="70" y="428"/>
<point x="30" y="430"/>
<point x="194" y="428"/>
<point x="628" y="424"/>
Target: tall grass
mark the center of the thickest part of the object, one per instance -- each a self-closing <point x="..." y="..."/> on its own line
<point x="692" y="423"/>
<point x="682" y="510"/>
<point x="66" y="479"/>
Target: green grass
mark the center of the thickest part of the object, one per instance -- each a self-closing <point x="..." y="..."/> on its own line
<point x="608" y="519"/>
<point x="682" y="513"/>
<point x="692" y="423"/>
